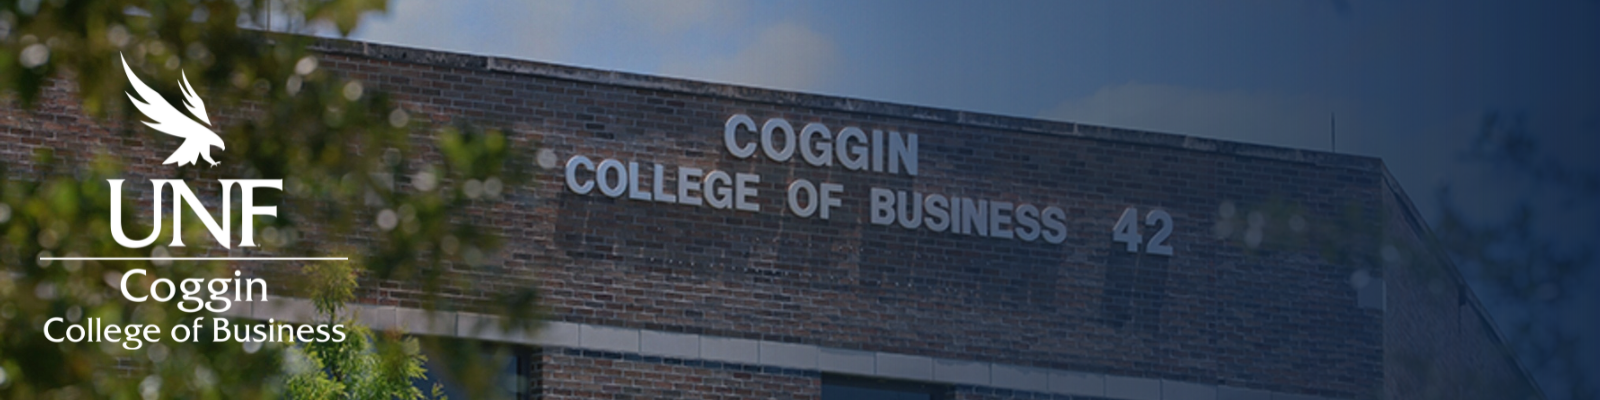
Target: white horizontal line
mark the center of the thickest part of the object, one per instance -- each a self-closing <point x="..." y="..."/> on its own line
<point x="194" y="258"/>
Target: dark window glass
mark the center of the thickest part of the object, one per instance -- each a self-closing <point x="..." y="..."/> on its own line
<point x="510" y="375"/>
<point x="853" y="388"/>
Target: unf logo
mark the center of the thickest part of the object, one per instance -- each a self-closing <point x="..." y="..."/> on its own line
<point x="181" y="196"/>
<point x="197" y="142"/>
<point x="197" y="138"/>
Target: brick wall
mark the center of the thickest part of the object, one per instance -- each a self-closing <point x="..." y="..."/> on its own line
<point x="1274" y="314"/>
<point x="1217" y="312"/>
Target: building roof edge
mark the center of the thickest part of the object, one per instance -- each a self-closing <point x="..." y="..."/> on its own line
<point x="839" y="103"/>
<point x="1437" y="250"/>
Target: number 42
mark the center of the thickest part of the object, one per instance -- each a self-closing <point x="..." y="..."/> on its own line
<point x="1127" y="231"/>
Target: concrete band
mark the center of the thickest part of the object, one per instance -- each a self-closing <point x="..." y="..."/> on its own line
<point x="764" y="353"/>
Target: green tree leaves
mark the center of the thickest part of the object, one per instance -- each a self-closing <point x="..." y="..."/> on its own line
<point x="364" y="177"/>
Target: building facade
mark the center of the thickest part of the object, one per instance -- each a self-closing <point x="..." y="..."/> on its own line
<point x="698" y="240"/>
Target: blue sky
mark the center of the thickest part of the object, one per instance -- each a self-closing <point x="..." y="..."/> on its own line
<point x="1409" y="81"/>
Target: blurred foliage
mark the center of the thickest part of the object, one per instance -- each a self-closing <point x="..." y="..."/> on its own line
<point x="360" y="179"/>
<point x="1522" y="268"/>
<point x="1527" y="264"/>
<point x="358" y="367"/>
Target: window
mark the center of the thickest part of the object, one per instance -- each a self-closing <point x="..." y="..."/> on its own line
<point x="503" y="370"/>
<point x="836" y="387"/>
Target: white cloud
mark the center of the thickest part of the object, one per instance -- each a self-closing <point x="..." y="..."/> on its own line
<point x="675" y="16"/>
<point x="1264" y="118"/>
<point x="783" y="56"/>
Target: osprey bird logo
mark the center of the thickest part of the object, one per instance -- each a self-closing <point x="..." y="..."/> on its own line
<point x="197" y="138"/>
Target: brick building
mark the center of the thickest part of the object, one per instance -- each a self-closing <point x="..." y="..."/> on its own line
<point x="683" y="238"/>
